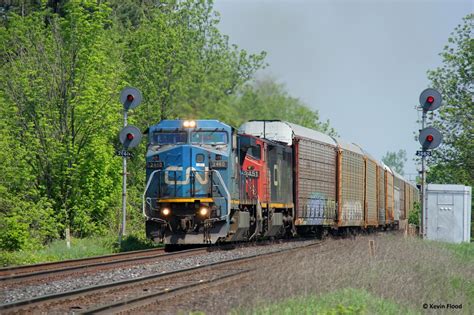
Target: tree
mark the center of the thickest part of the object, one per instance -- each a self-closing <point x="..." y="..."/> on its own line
<point x="57" y="96"/>
<point x="396" y="160"/>
<point x="183" y="64"/>
<point x="267" y="99"/>
<point x="66" y="62"/>
<point x="453" y="161"/>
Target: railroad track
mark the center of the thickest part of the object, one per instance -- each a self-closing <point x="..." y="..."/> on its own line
<point x="45" y="270"/>
<point x="134" y="294"/>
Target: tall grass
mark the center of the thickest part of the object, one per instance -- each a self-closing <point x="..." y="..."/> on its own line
<point x="80" y="248"/>
<point x="404" y="274"/>
<point x="344" y="301"/>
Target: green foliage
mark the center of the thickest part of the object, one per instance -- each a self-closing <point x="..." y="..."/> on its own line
<point x="267" y="99"/>
<point x="57" y="250"/>
<point x="14" y="233"/>
<point x="57" y="100"/>
<point x="133" y="242"/>
<point x="414" y="215"/>
<point x="80" y="248"/>
<point x="343" y="301"/>
<point x="183" y="65"/>
<point x="396" y="160"/>
<point x="453" y="162"/>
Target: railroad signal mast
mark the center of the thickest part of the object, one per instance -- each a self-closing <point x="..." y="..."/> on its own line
<point x="130" y="137"/>
<point x="429" y="138"/>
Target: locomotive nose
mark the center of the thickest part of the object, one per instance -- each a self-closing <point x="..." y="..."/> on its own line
<point x="186" y="172"/>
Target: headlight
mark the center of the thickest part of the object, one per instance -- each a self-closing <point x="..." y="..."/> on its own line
<point x="189" y="124"/>
<point x="165" y="211"/>
<point x="204" y="211"/>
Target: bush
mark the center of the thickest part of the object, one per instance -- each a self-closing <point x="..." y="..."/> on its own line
<point x="414" y="215"/>
<point x="14" y="233"/>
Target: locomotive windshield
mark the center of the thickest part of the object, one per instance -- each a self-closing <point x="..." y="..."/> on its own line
<point x="163" y="138"/>
<point x="209" y="137"/>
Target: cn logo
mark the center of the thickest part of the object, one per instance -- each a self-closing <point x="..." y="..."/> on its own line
<point x="201" y="176"/>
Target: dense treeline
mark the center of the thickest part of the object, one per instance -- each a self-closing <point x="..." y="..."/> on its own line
<point x="63" y="64"/>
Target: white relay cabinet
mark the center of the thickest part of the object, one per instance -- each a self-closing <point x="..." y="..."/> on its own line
<point x="448" y="214"/>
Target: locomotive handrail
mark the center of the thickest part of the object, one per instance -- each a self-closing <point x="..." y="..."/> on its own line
<point x="226" y="192"/>
<point x="146" y="189"/>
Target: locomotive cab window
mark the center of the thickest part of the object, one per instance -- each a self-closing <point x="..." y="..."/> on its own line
<point x="164" y="138"/>
<point x="255" y="151"/>
<point x="209" y="137"/>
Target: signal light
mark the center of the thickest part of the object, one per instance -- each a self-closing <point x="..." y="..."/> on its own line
<point x="430" y="138"/>
<point x="430" y="99"/>
<point x="130" y="98"/>
<point x="130" y="136"/>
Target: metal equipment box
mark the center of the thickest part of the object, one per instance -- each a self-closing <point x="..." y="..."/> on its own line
<point x="448" y="214"/>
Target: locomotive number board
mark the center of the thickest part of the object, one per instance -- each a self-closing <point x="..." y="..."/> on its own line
<point x="218" y="164"/>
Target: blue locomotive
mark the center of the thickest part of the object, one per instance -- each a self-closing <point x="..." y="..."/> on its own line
<point x="189" y="181"/>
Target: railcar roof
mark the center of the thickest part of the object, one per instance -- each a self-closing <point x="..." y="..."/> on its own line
<point x="398" y="175"/>
<point x="349" y="146"/>
<point x="283" y="131"/>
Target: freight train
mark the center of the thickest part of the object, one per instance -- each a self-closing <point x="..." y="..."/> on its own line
<point x="207" y="182"/>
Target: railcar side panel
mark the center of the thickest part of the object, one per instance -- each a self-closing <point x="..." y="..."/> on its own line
<point x="389" y="216"/>
<point x="408" y="199"/>
<point x="409" y="196"/>
<point x="396" y="198"/>
<point x="351" y="185"/>
<point x="402" y="200"/>
<point x="371" y="193"/>
<point x="280" y="178"/>
<point x="316" y="183"/>
<point x="381" y="194"/>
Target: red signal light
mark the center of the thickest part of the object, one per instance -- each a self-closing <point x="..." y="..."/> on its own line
<point x="429" y="138"/>
<point x="130" y="98"/>
<point x="130" y="136"/>
<point x="430" y="99"/>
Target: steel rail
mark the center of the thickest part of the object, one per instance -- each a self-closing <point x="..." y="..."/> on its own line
<point x="107" y="309"/>
<point x="82" y="291"/>
<point x="87" y="263"/>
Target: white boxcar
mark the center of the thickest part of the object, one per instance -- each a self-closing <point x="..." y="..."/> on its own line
<point x="448" y="213"/>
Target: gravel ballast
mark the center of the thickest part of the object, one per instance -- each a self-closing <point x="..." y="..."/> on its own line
<point x="28" y="292"/>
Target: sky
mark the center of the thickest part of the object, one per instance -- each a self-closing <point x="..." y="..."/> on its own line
<point x="361" y="64"/>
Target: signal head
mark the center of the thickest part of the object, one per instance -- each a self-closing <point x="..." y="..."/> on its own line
<point x="430" y="99"/>
<point x="130" y="136"/>
<point x="130" y="98"/>
<point x="430" y="138"/>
